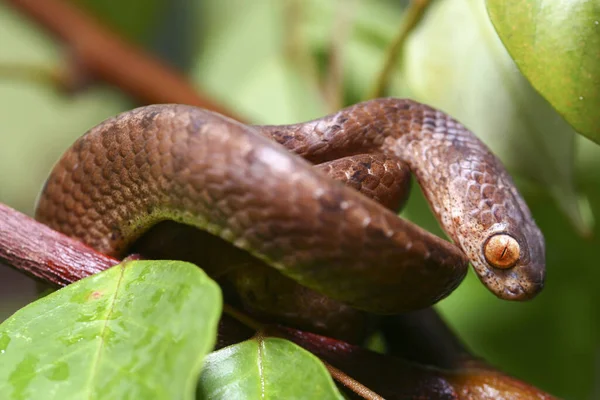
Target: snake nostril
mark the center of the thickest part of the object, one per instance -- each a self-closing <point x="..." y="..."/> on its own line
<point x="502" y="251"/>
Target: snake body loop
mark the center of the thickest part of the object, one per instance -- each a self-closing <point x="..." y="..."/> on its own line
<point x="244" y="184"/>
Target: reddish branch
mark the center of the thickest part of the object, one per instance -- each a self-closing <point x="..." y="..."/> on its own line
<point x="105" y="55"/>
<point x="43" y="253"/>
<point x="395" y="378"/>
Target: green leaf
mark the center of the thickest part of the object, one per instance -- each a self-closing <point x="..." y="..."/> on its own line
<point x="265" y="368"/>
<point x="465" y="70"/>
<point x="139" y="330"/>
<point x="556" y="44"/>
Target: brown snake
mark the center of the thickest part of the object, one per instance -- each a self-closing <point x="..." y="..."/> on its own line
<point x="243" y="184"/>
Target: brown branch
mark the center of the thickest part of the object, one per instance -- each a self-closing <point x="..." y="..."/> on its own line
<point x="37" y="250"/>
<point x="45" y="254"/>
<point x="396" y="378"/>
<point x="106" y="56"/>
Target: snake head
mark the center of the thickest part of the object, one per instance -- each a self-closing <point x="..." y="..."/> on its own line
<point x="502" y="241"/>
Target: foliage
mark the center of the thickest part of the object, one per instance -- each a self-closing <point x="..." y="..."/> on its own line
<point x="138" y="330"/>
<point x="553" y="43"/>
<point x="262" y="366"/>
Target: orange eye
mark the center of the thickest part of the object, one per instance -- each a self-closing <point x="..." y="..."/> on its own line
<point x="502" y="251"/>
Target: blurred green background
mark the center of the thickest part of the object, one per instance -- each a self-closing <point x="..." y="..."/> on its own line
<point x="269" y="60"/>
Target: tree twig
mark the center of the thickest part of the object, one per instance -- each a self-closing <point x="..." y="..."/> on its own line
<point x="413" y="16"/>
<point x="45" y="254"/>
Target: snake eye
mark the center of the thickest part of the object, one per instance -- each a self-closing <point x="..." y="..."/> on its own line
<point x="502" y="251"/>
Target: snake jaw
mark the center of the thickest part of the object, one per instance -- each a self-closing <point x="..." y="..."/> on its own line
<point x="520" y="291"/>
<point x="509" y="285"/>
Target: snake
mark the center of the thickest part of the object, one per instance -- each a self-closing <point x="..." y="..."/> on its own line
<point x="274" y="192"/>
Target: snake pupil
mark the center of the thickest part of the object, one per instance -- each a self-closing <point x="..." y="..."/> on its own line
<point x="502" y="251"/>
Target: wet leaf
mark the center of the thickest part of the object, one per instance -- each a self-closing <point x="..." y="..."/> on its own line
<point x="270" y="368"/>
<point x="138" y="330"/>
<point x="465" y="70"/>
<point x="556" y="44"/>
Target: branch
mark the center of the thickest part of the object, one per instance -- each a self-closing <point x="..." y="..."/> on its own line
<point x="45" y="254"/>
<point x="106" y="56"/>
<point x="395" y="378"/>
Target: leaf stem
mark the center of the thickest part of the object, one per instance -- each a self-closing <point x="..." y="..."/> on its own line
<point x="243" y="318"/>
<point x="413" y="15"/>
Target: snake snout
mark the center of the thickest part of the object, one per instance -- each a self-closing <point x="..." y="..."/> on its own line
<point x="527" y="277"/>
<point x="520" y="291"/>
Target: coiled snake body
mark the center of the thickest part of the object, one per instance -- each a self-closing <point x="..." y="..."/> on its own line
<point x="245" y="185"/>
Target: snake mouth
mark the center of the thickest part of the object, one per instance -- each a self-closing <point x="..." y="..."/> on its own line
<point x="520" y="291"/>
<point x="520" y="283"/>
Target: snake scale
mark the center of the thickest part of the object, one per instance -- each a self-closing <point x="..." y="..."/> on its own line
<point x="256" y="188"/>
